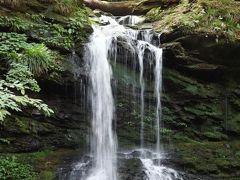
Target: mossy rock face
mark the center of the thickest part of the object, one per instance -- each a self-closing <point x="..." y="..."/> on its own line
<point x="134" y="173"/>
<point x="215" y="158"/>
<point x="199" y="101"/>
<point x="233" y="125"/>
<point x="210" y="16"/>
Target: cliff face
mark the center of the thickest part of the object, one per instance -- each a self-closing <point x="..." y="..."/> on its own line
<point x="201" y="58"/>
<point x="58" y="31"/>
<point x="201" y="88"/>
<point x="200" y="104"/>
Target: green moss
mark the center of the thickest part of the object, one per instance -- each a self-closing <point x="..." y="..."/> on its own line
<point x="23" y="125"/>
<point x="216" y="158"/>
<point x="66" y="7"/>
<point x="191" y="86"/>
<point x="32" y="166"/>
<point x="49" y="175"/>
<point x="201" y="112"/>
<point x="233" y="125"/>
<point x="215" y="135"/>
<point x="216" y="16"/>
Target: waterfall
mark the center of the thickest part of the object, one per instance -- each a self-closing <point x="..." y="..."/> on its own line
<point x="157" y="91"/>
<point x="141" y="49"/>
<point x="101" y="51"/>
<point x="156" y="56"/>
<point x="102" y="47"/>
<point x="103" y="142"/>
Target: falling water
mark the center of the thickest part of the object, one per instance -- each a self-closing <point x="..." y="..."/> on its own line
<point x="158" y="88"/>
<point x="158" y="172"/>
<point x="156" y="56"/>
<point x="130" y="20"/>
<point x="103" y="138"/>
<point x="102" y="48"/>
<point x="141" y="49"/>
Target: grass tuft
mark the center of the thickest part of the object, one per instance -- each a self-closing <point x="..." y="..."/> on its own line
<point x="66" y="7"/>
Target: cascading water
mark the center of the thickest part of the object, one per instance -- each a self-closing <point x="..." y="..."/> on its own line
<point x="157" y="91"/>
<point x="103" y="143"/>
<point x="141" y="48"/>
<point x="102" y="48"/>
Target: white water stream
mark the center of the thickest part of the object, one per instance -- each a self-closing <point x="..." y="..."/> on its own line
<point x="103" y="142"/>
<point x="101" y="49"/>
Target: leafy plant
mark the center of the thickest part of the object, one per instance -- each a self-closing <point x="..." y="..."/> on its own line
<point x="10" y="168"/>
<point x="11" y="102"/>
<point x="16" y="23"/>
<point x="38" y="58"/>
<point x="10" y="43"/>
<point x="77" y="23"/>
<point x="55" y="35"/>
<point x="21" y="78"/>
<point x="79" y="19"/>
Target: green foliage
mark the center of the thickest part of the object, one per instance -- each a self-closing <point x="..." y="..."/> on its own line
<point x="221" y="15"/>
<point x="21" y="78"/>
<point x="16" y="23"/>
<point x="38" y="58"/>
<point x="215" y="135"/>
<point x="55" y="35"/>
<point x="10" y="168"/>
<point x="28" y="59"/>
<point x="11" y="102"/>
<point x="60" y="35"/>
<point x="79" y="19"/>
<point x="10" y="43"/>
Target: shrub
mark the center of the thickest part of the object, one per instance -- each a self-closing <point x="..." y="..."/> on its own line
<point x="38" y="58"/>
<point x="10" y="43"/>
<point x="10" y="168"/>
<point x="19" y="78"/>
<point x="16" y="23"/>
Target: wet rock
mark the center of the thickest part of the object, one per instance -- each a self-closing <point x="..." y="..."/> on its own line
<point x="131" y="169"/>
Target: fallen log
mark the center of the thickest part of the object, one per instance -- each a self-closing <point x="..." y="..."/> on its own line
<point x="129" y="7"/>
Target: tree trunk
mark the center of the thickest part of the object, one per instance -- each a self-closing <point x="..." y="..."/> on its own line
<point x="128" y="7"/>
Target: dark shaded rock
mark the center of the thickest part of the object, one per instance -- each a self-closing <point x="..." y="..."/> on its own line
<point x="131" y="169"/>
